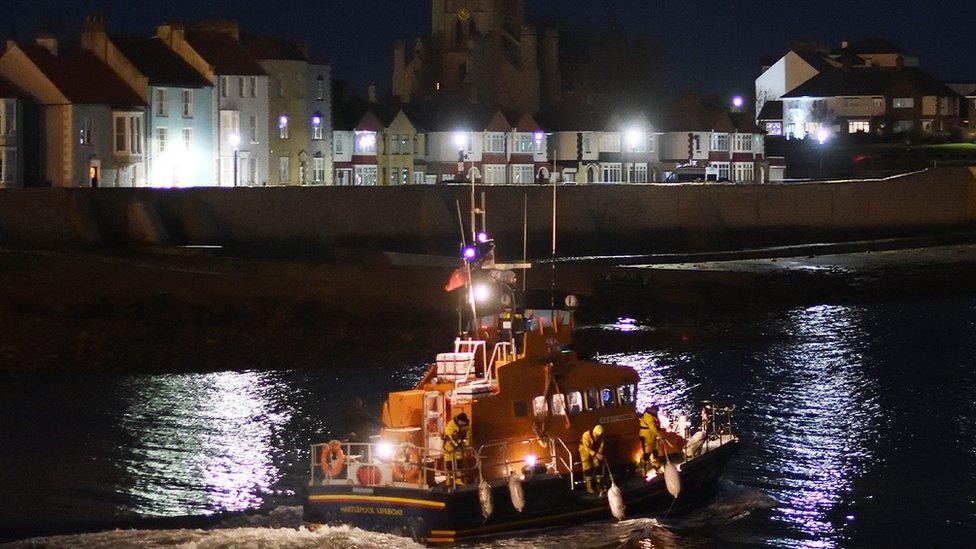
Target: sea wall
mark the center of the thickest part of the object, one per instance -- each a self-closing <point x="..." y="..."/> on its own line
<point x="591" y="219"/>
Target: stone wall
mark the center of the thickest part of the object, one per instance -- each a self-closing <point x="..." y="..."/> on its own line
<point x="592" y="219"/>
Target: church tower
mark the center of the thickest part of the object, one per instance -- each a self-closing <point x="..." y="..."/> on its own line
<point x="482" y="48"/>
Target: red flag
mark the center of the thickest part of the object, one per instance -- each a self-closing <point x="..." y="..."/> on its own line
<point x="458" y="279"/>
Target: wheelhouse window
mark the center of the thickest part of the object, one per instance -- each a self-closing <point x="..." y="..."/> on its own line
<point x="608" y="397"/>
<point x="540" y="408"/>
<point x="558" y="404"/>
<point x="575" y="401"/>
<point x="627" y="394"/>
<point x="592" y="399"/>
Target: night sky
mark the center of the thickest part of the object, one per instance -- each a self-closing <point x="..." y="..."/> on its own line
<point x="710" y="45"/>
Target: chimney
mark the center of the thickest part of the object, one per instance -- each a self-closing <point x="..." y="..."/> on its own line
<point x="94" y="37"/>
<point x="371" y="93"/>
<point x="48" y="42"/>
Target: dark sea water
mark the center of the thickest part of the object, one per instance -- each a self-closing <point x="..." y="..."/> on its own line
<point x="859" y="424"/>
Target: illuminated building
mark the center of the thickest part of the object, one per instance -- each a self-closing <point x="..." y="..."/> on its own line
<point x="179" y="120"/>
<point x="240" y="93"/>
<point x="599" y="148"/>
<point x="90" y="122"/>
<point x="299" y="112"/>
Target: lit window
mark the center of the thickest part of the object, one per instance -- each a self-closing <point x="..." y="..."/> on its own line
<point x="610" y="142"/>
<point x="283" y="126"/>
<point x="540" y="409"/>
<point x="85" y="133"/>
<point x="365" y="175"/>
<point x="524" y="143"/>
<point x="855" y="126"/>
<point x="523" y="174"/>
<point x="903" y="102"/>
<point x="558" y="404"/>
<point x="365" y="143"/>
<point x="627" y="394"/>
<point x="575" y="402"/>
<point x="608" y="397"/>
<point x="317" y="126"/>
<point x="774" y="128"/>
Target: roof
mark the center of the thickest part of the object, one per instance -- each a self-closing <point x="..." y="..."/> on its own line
<point x="771" y="110"/>
<point x="693" y="113"/>
<point x="226" y="54"/>
<point x="83" y="78"/>
<point x="870" y="81"/>
<point x="268" y="47"/>
<point x="966" y="89"/>
<point x="159" y="63"/>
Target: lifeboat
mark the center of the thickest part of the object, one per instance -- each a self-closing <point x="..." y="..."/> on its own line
<point x="529" y="399"/>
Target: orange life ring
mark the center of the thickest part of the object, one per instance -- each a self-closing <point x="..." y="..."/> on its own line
<point x="333" y="459"/>
<point x="407" y="470"/>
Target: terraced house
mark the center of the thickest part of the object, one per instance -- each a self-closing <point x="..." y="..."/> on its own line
<point x="90" y="123"/>
<point x="240" y="94"/>
<point x="179" y="121"/>
<point x="299" y="112"/>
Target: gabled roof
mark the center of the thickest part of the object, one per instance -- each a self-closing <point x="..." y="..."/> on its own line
<point x="268" y="48"/>
<point x="226" y="54"/>
<point x="159" y="63"/>
<point x="83" y="78"/>
<point x="870" y="81"/>
<point x="771" y="110"/>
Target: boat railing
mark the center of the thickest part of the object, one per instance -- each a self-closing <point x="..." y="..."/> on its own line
<point x="504" y="351"/>
<point x="389" y="464"/>
<point x="512" y="456"/>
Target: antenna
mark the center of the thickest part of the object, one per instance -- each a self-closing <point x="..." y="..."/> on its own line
<point x="552" y="258"/>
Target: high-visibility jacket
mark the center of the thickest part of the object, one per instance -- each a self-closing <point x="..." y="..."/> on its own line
<point x="454" y="437"/>
<point x="588" y="449"/>
<point x="649" y="432"/>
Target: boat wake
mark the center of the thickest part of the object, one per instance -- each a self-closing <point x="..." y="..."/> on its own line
<point x="283" y="528"/>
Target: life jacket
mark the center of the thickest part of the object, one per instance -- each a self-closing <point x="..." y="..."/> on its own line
<point x="454" y="436"/>
<point x="587" y="448"/>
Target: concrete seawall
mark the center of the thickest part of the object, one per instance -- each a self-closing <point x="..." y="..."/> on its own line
<point x="600" y="219"/>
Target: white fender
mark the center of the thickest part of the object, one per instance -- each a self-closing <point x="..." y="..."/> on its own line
<point x="484" y="497"/>
<point x="515" y="490"/>
<point x="672" y="479"/>
<point x="616" y="500"/>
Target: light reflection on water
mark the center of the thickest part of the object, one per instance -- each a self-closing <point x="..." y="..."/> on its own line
<point x="202" y="442"/>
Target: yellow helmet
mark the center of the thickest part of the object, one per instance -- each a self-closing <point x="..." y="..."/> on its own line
<point x="598" y="430"/>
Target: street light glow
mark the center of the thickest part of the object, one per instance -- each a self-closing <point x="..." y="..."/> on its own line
<point x="822" y="135"/>
<point x="460" y="140"/>
<point x="738" y="101"/>
<point x="634" y="137"/>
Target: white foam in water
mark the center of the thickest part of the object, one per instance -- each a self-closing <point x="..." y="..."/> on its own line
<point x="263" y="538"/>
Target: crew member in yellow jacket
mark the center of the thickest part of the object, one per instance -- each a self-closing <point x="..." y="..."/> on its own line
<point x="455" y="437"/>
<point x="650" y="435"/>
<point x="591" y="456"/>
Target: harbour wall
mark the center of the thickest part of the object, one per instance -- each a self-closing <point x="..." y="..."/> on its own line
<point x="591" y="219"/>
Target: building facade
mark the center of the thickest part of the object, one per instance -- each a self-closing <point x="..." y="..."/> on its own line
<point x="299" y="123"/>
<point x="90" y="121"/>
<point x="240" y="95"/>
<point x="180" y="149"/>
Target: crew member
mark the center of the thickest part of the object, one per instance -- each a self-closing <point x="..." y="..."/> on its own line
<point x="591" y="456"/>
<point x="650" y="434"/>
<point x="455" y="438"/>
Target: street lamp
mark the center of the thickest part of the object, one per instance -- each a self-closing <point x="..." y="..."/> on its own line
<point x="235" y="143"/>
<point x="738" y="102"/>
